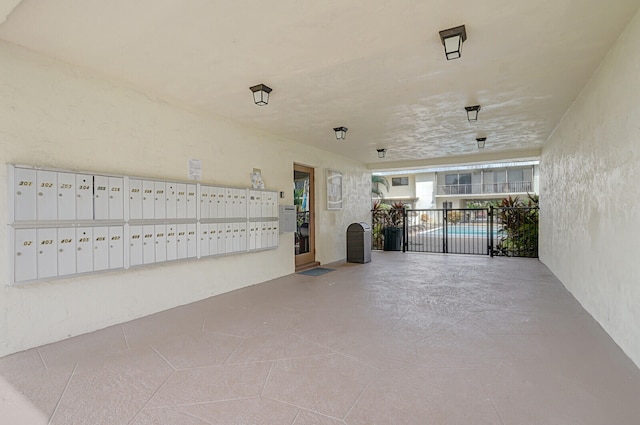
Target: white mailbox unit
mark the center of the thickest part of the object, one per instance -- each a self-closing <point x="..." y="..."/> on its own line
<point x="63" y="223"/>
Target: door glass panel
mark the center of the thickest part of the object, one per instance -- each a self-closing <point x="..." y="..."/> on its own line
<point x="301" y="199"/>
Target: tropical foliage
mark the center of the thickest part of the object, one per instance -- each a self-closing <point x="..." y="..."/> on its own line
<point x="385" y="216"/>
<point x="518" y="234"/>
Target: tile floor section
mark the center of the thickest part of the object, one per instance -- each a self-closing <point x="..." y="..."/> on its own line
<point x="407" y="339"/>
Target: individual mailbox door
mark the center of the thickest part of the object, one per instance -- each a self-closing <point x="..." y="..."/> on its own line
<point x="135" y="199"/>
<point x="228" y="238"/>
<point x="84" y="249"/>
<point x="221" y="238"/>
<point x="217" y="202"/>
<point x="253" y="202"/>
<point x="236" y="237"/>
<point x="274" y="204"/>
<point x="242" y="205"/>
<point x="25" y="196"/>
<point x="47" y="202"/>
<point x="84" y="197"/>
<point x="192" y="201"/>
<point x="269" y="235"/>
<point x="135" y="246"/>
<point x="235" y="203"/>
<point x="66" y="251"/>
<point x="181" y="200"/>
<point x="148" y="200"/>
<point x="101" y="197"/>
<point x="25" y="258"/>
<point x="242" y="241"/>
<point x="221" y="202"/>
<point x="275" y="233"/>
<point x="66" y="196"/>
<point x="192" y="241"/>
<point x="148" y="244"/>
<point x="172" y="242"/>
<point x="171" y="200"/>
<point x="204" y="239"/>
<point x="268" y="201"/>
<point x="213" y="238"/>
<point x="160" y="203"/>
<point x="264" y="234"/>
<point x="161" y="243"/>
<point x="100" y="248"/>
<point x="264" y="205"/>
<point x="259" y="244"/>
<point x="252" y="235"/>
<point x="228" y="202"/>
<point x="257" y="203"/>
<point x="47" y="253"/>
<point x="214" y="201"/>
<point x="116" y="198"/>
<point x="181" y="240"/>
<point x="116" y="247"/>
<point x="204" y="202"/>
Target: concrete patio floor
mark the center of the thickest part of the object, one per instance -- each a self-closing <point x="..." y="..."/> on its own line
<point x="407" y="339"/>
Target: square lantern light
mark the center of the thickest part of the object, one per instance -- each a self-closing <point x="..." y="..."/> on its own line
<point x="481" y="141"/>
<point x="452" y="40"/>
<point x="260" y="94"/>
<point x="472" y="112"/>
<point x="382" y="153"/>
<point x="341" y="133"/>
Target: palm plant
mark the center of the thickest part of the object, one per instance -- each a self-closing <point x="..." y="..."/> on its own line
<point x="519" y="232"/>
<point x="376" y="181"/>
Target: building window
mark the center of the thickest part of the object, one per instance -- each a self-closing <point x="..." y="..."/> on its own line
<point x="457" y="179"/>
<point x="458" y="183"/>
<point x="400" y="181"/>
<point x="447" y="205"/>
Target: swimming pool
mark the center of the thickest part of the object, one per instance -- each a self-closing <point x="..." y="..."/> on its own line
<point x="461" y="230"/>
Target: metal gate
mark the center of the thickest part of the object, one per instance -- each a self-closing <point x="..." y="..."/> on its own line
<point x="491" y="231"/>
<point x="455" y="231"/>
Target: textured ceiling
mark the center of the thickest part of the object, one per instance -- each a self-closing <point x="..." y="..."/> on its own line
<point x="374" y="66"/>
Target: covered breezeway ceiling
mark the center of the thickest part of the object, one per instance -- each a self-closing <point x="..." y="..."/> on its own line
<point x="374" y="66"/>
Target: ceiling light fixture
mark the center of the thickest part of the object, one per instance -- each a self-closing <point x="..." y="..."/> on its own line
<point x="341" y="132"/>
<point x="472" y="112"/>
<point x="481" y="141"/>
<point x="452" y="40"/>
<point x="260" y="94"/>
<point x="382" y="153"/>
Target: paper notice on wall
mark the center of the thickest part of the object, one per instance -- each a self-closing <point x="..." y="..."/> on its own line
<point x="256" y="180"/>
<point x="195" y="169"/>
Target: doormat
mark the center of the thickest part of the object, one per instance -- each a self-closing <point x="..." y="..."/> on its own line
<point x="318" y="271"/>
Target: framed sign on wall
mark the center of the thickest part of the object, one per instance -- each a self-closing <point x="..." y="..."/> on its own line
<point x="334" y="190"/>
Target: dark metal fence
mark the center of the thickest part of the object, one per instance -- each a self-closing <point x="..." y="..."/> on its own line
<point x="456" y="231"/>
<point x="501" y="231"/>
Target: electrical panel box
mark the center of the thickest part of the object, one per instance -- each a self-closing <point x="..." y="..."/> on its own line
<point x="287" y="218"/>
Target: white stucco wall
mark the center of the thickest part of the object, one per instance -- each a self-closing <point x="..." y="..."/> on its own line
<point x="56" y="115"/>
<point x="425" y="190"/>
<point x="408" y="191"/>
<point x="590" y="195"/>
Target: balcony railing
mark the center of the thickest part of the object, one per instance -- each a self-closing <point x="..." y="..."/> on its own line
<point x="485" y="188"/>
